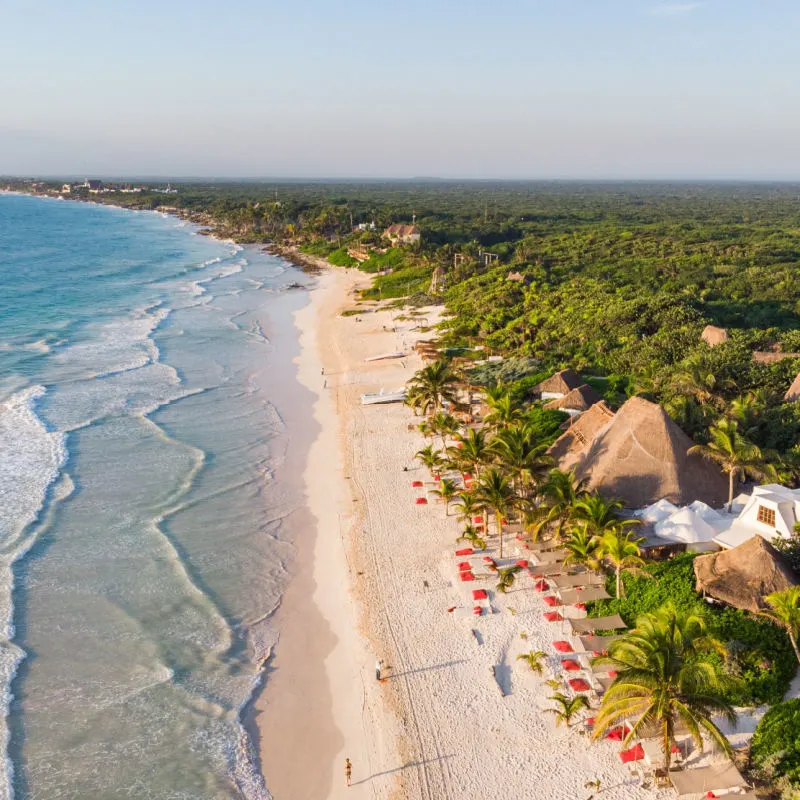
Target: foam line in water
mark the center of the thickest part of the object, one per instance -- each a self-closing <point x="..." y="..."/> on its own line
<point x="31" y="458"/>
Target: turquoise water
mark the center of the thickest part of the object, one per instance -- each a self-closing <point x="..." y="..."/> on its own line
<point x="151" y="438"/>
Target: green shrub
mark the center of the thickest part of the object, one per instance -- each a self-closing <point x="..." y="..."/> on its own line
<point x="775" y="747"/>
<point x="339" y="258"/>
<point x="760" y="653"/>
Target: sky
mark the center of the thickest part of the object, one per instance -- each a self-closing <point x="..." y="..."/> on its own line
<point x="564" y="89"/>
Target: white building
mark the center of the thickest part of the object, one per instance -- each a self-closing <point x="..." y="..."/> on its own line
<point x="771" y="510"/>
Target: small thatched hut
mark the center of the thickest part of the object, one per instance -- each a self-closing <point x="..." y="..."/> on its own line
<point x="743" y="575"/>
<point x="772" y="356"/>
<point x="558" y="385"/>
<point x="712" y="335"/>
<point x="577" y="401"/>
<point x="793" y="392"/>
<point x="641" y="456"/>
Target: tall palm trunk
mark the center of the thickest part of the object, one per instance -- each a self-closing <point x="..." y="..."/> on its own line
<point x="499" y="531"/>
<point x="667" y="743"/>
<point x="793" y="640"/>
<point x="619" y="582"/>
<point x="731" y="475"/>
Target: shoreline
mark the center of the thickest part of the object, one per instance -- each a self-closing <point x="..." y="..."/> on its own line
<point x="318" y="703"/>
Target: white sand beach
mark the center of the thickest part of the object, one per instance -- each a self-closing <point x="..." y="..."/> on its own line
<point x="459" y="716"/>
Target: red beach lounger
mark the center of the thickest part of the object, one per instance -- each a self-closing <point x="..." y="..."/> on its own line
<point x="541" y="586"/>
<point x="479" y="594"/>
<point x="466" y="551"/>
<point x="462" y="565"/>
<point x="634" y="754"/>
<point x="578" y="685"/>
<point x="618" y="734"/>
<point x="416" y="484"/>
<point x="552" y="601"/>
<point x="476" y="520"/>
<point x="422" y="501"/>
<point x="563" y="647"/>
<point x="553" y="616"/>
<point x="522" y="563"/>
<point x="477" y="611"/>
<point x="467" y="576"/>
<point x="580" y="606"/>
<point x="570" y="666"/>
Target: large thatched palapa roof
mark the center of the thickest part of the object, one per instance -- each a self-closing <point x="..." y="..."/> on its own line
<point x="743" y="575"/>
<point x="569" y="447"/>
<point x="641" y="456"/>
<point x="712" y="335"/>
<point x="580" y="399"/>
<point x="561" y="383"/>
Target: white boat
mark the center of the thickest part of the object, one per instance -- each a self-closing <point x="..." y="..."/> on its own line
<point x="394" y="396"/>
<point x="384" y="356"/>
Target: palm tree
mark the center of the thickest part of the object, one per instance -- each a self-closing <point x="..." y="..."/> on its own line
<point x="494" y="492"/>
<point x="430" y="458"/>
<point x="503" y="412"/>
<point x="621" y="552"/>
<point x="444" y="425"/>
<point x="473" y="537"/>
<point x="534" y="660"/>
<point x="665" y="677"/>
<point x="785" y="611"/>
<point x="695" y="378"/>
<point x="467" y="506"/>
<point x="432" y="386"/>
<point x="559" y="493"/>
<point x="520" y="456"/>
<point x="506" y="578"/>
<point x="568" y="707"/>
<point x="600" y="514"/>
<point x="447" y="491"/>
<point x="581" y="547"/>
<point x="471" y="452"/>
<point x="735" y="454"/>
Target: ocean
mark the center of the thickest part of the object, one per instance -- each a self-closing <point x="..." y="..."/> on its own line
<point x="152" y="438"/>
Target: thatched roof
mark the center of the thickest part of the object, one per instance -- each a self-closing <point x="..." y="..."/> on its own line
<point x="561" y="383"/>
<point x="743" y="575"/>
<point x="772" y="356"/>
<point x="580" y="399"/>
<point x="793" y="392"/>
<point x="641" y="456"/>
<point x="712" y="335"/>
<point x="568" y="448"/>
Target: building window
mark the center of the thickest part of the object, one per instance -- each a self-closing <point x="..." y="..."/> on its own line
<point x="766" y="515"/>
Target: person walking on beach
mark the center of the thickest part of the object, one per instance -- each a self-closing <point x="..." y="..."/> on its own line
<point x="348" y="771"/>
<point x="378" y="668"/>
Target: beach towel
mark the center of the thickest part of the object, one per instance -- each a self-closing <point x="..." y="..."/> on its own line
<point x="467" y="551"/>
<point x="569" y="665"/>
<point x="553" y="616"/>
<point x="479" y="594"/>
<point x="563" y="647"/>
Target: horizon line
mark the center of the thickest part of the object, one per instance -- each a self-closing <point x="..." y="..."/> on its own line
<point x="387" y="179"/>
